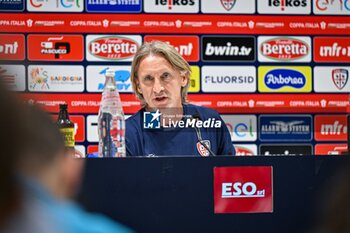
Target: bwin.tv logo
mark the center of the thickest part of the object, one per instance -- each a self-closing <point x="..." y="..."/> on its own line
<point x="151" y="120"/>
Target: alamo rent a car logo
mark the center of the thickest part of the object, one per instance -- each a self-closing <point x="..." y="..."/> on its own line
<point x="52" y="78"/>
<point x="285" y="128"/>
<point x="243" y="189"/>
<point x="55" y="6"/>
<point x="228" y="48"/>
<point x="284" y="6"/>
<point x="338" y="7"/>
<point x="55" y="47"/>
<point x="285" y="79"/>
<point x="111" y="47"/>
<point x="132" y="6"/>
<point x="331" y="128"/>
<point x="187" y="46"/>
<point x="332" y="49"/>
<point x="96" y="78"/>
<point x="171" y="6"/>
<point x="12" y="47"/>
<point x="12" y="5"/>
<point x="284" y="49"/>
<point x="332" y="79"/>
<point x="285" y="149"/>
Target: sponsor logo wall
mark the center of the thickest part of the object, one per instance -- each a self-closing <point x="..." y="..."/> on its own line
<point x="276" y="71"/>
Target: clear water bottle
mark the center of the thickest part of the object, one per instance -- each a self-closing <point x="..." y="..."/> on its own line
<point x="111" y="121"/>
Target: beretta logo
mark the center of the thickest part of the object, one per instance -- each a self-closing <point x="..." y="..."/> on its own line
<point x="173" y="6"/>
<point x="331" y="128"/>
<point x="56" y="47"/>
<point x="11" y="5"/>
<point x="332" y="79"/>
<point x="332" y="49"/>
<point x="284" y="49"/>
<point x="110" y="47"/>
<point x="55" y="6"/>
<point x="285" y="127"/>
<point x="286" y="149"/>
<point x="187" y="46"/>
<point x="126" y="6"/>
<point x="284" y="6"/>
<point x="12" y="47"/>
<point x="228" y="48"/>
<point x="284" y="79"/>
<point x="243" y="189"/>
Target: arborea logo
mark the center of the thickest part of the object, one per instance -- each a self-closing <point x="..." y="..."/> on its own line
<point x="243" y="189"/>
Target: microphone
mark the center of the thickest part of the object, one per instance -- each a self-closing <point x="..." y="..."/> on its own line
<point x="196" y="117"/>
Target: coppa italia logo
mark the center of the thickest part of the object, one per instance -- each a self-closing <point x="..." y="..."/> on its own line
<point x="284" y="49"/>
<point x="174" y="6"/>
<point x="332" y="79"/>
<point x="12" y="47"/>
<point x="330" y="149"/>
<point x="243" y="189"/>
<point x="284" y="6"/>
<point x="187" y="46"/>
<point x="334" y="7"/>
<point x="332" y="49"/>
<point x="111" y="48"/>
<point x="228" y="48"/>
<point x="55" y="47"/>
<point x="285" y="79"/>
<point x="331" y="128"/>
<point x="55" y="5"/>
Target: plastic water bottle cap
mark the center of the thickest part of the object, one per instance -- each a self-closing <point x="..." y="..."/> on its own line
<point x="110" y="72"/>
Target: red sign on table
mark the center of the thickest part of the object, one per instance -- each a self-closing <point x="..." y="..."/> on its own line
<point x="243" y="189"/>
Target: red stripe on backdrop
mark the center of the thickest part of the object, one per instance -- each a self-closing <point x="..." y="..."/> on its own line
<point x="229" y="104"/>
<point x="179" y="24"/>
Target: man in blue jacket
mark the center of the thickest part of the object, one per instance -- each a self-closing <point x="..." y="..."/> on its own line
<point x="167" y="124"/>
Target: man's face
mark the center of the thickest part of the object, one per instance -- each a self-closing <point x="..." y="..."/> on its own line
<point x="159" y="83"/>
